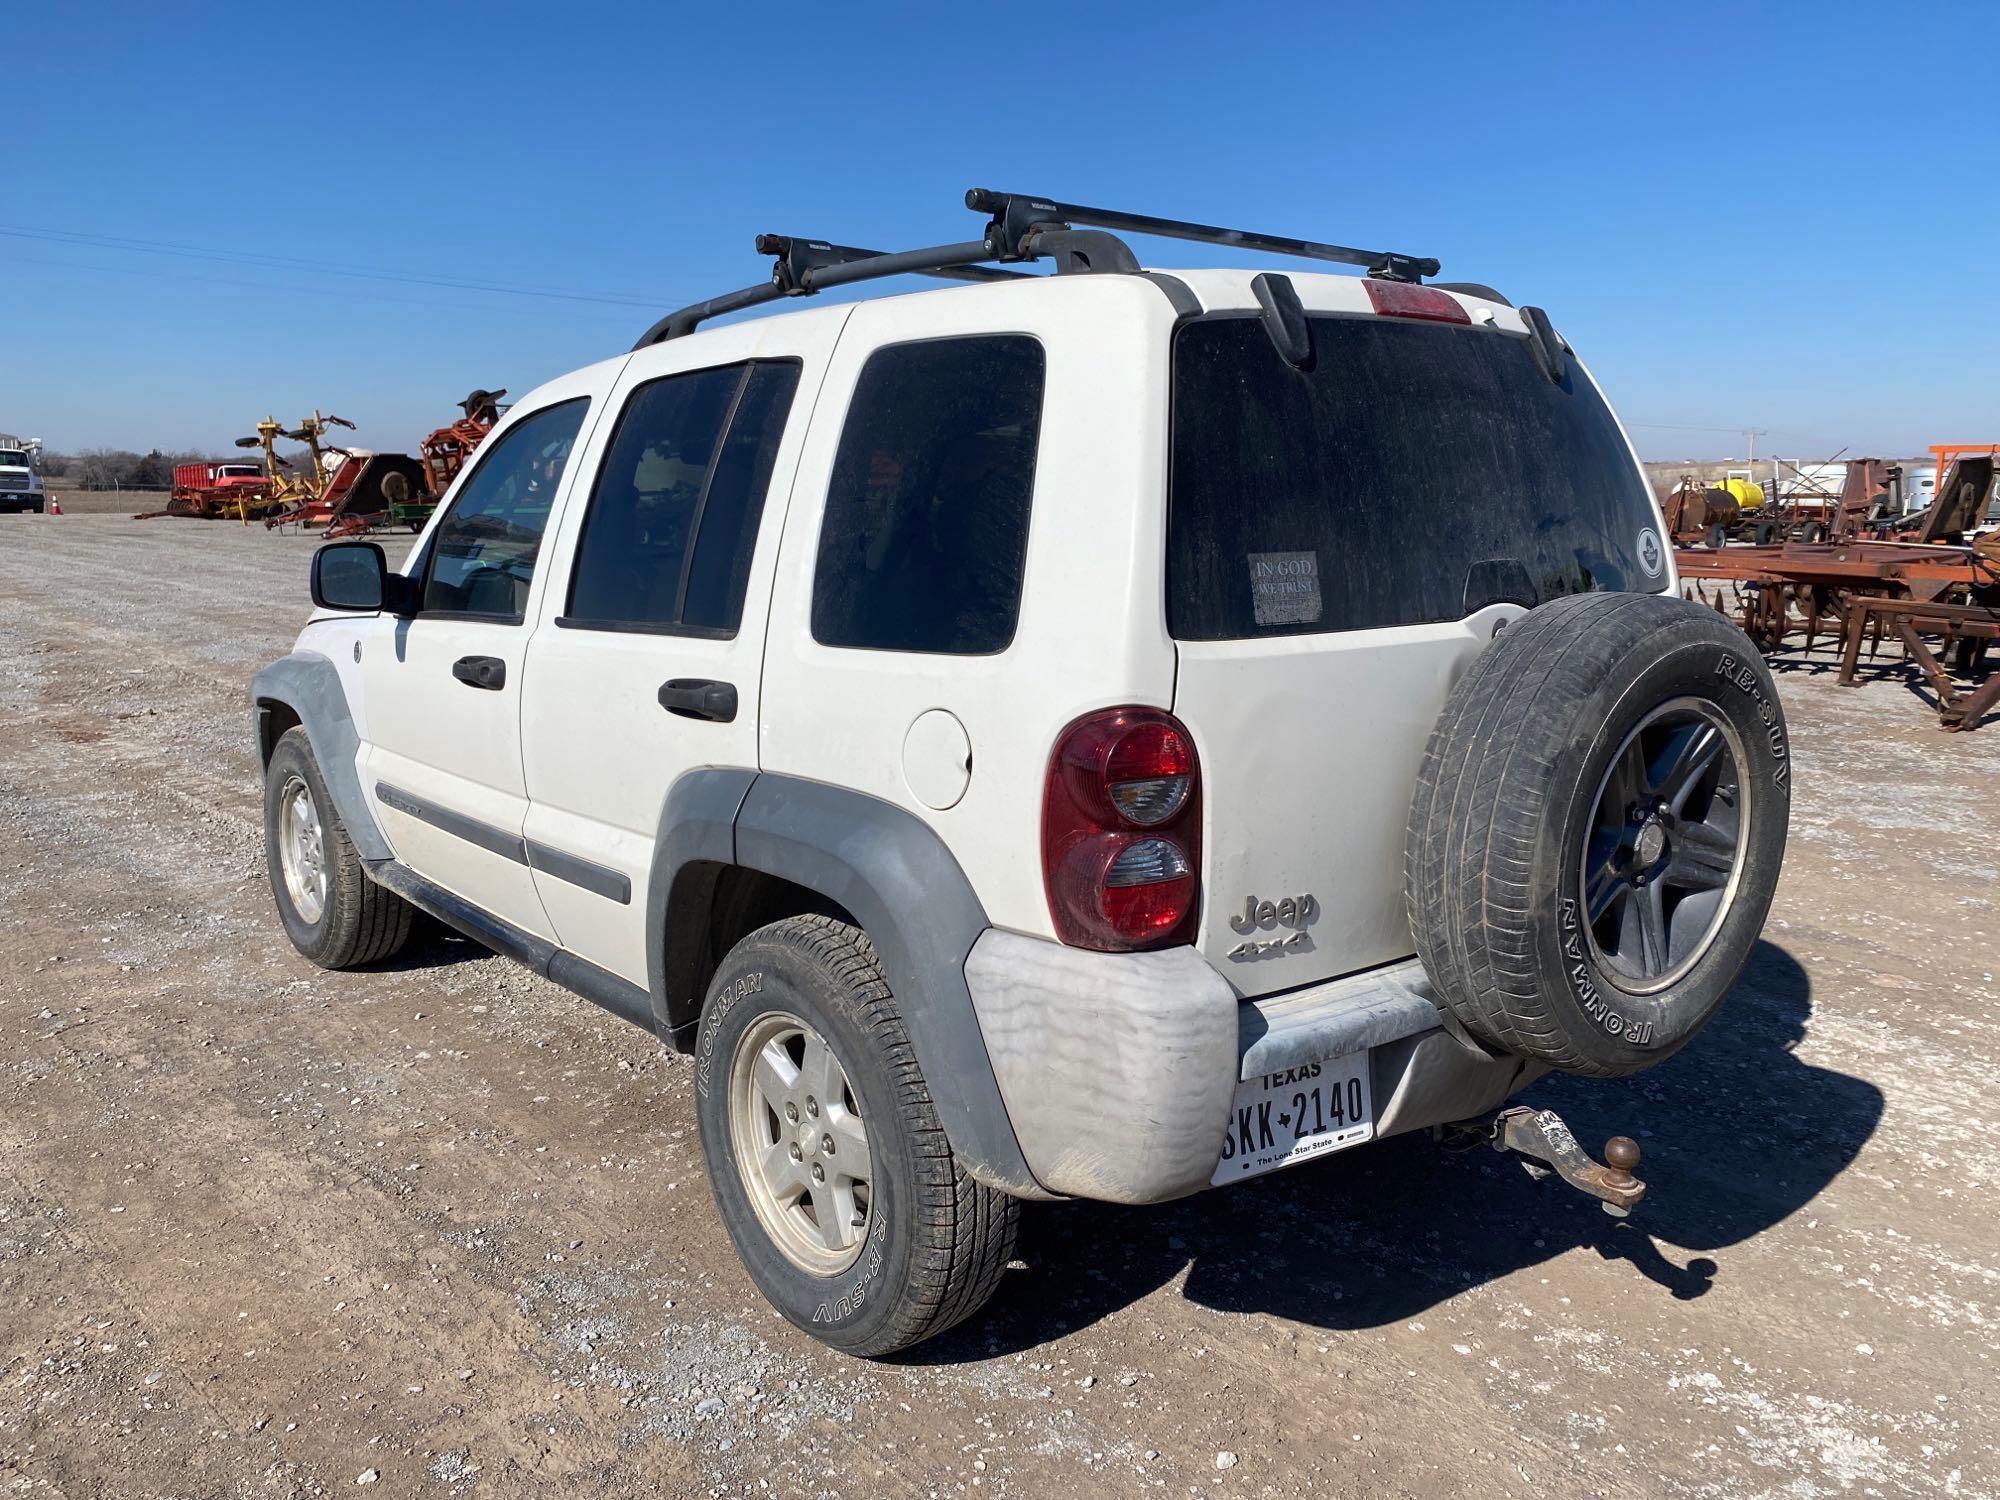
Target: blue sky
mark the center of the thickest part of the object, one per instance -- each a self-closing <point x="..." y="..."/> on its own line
<point x="1739" y="216"/>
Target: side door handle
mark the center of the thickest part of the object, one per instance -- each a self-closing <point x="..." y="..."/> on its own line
<point x="488" y="672"/>
<point x="698" y="698"/>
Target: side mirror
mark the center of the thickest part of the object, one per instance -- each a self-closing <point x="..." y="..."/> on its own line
<point x="350" y="575"/>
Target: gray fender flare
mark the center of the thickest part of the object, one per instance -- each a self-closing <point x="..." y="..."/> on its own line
<point x="309" y="685"/>
<point x="898" y="880"/>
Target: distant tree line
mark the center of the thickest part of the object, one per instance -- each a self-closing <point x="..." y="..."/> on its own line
<point x="122" y="469"/>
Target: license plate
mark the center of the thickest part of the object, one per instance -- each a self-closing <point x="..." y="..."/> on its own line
<point x="1287" y="1117"/>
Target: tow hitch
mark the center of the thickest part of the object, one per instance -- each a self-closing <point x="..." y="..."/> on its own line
<point x="1546" y="1145"/>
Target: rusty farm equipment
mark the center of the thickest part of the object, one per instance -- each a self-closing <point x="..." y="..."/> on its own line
<point x="351" y="489"/>
<point x="238" y="490"/>
<point x="1860" y="592"/>
<point x="1713" y="514"/>
<point x="445" y="451"/>
<point x="371" y="492"/>
<point x="336" y="489"/>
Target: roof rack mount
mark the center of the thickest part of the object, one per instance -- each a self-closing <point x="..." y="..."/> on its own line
<point x="1020" y="229"/>
<point x="1015" y="213"/>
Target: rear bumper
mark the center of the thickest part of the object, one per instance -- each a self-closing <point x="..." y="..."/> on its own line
<point x="1119" y="1070"/>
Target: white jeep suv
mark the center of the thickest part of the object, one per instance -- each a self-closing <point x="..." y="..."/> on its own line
<point x="1098" y="734"/>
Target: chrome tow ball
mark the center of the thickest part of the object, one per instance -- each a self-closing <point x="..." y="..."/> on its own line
<point x="1546" y="1144"/>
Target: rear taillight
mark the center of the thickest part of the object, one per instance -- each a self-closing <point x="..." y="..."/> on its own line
<point x="1121" y="831"/>
<point x="1399" y="299"/>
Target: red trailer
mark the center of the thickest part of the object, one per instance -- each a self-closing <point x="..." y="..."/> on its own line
<point x="229" y="488"/>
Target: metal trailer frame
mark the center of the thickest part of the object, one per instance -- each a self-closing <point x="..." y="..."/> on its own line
<point x="1972" y="626"/>
<point x="1854" y="590"/>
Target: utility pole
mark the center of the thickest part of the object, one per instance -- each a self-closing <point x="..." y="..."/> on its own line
<point x="1751" y="434"/>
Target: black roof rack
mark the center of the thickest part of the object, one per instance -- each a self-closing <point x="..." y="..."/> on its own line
<point x="1020" y="228"/>
<point x="1014" y="213"/>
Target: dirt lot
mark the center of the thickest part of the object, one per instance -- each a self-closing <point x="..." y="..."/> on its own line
<point x="443" y="1228"/>
<point x="105" y="502"/>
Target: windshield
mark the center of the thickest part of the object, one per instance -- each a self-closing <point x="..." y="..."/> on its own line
<point x="242" y="471"/>
<point x="13" y="458"/>
<point x="1414" y="473"/>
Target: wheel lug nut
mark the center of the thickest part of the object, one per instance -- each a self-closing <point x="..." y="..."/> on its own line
<point x="826" y="1144"/>
<point x="819" y="1173"/>
<point x="797" y="1154"/>
<point x="792" y="1113"/>
<point x="812" y="1107"/>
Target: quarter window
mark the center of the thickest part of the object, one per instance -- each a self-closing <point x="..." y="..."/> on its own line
<point x="484" y="556"/>
<point x="926" y="527"/>
<point x="673" y="519"/>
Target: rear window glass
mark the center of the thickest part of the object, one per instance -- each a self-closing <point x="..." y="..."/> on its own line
<point x="926" y="521"/>
<point x="1414" y="473"/>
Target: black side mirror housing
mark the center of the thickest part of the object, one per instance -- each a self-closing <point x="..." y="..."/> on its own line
<point x="354" y="576"/>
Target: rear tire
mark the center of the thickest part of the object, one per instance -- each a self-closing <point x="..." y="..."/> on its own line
<point x="1597" y="831"/>
<point x="333" y="913"/>
<point x="895" y="1257"/>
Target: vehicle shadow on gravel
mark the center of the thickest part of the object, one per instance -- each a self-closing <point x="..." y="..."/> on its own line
<point x="1739" y="1134"/>
<point x="432" y="945"/>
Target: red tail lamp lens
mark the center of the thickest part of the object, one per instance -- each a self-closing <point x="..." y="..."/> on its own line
<point x="1121" y="831"/>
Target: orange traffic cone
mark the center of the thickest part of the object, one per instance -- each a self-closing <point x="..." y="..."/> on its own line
<point x="55" y="506"/>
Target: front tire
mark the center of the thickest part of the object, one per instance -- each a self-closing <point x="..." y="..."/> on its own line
<point x="830" y="1168"/>
<point x="333" y="913"/>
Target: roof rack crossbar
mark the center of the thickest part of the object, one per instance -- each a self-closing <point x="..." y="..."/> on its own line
<point x="803" y="256"/>
<point x="933" y="260"/>
<point x="1020" y="228"/>
<point x="802" y="267"/>
<point x="1015" y="214"/>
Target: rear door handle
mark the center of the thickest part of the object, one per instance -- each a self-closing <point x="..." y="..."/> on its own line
<point x="698" y="698"/>
<point x="487" y="672"/>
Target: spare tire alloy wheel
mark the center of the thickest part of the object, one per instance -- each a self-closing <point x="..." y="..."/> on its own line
<point x="1663" y="855"/>
<point x="1597" y="831"/>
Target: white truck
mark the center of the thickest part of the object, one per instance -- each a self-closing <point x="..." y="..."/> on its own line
<point x="20" y="475"/>
<point x="1105" y="734"/>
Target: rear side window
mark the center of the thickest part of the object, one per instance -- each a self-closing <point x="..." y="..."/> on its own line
<point x="1415" y="473"/>
<point x="673" y="518"/>
<point x="484" y="557"/>
<point x="926" y="526"/>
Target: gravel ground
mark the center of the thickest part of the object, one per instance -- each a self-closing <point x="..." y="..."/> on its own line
<point x="442" y="1228"/>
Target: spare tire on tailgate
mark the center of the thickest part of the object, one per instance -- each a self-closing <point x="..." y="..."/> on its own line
<point x="1597" y="830"/>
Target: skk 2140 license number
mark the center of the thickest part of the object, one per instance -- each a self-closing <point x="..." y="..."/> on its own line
<point x="1283" y="1118"/>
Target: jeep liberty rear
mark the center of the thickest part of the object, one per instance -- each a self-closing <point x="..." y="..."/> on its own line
<point x="1101" y="735"/>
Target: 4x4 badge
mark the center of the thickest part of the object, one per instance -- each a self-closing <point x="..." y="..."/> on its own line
<point x="1652" y="556"/>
